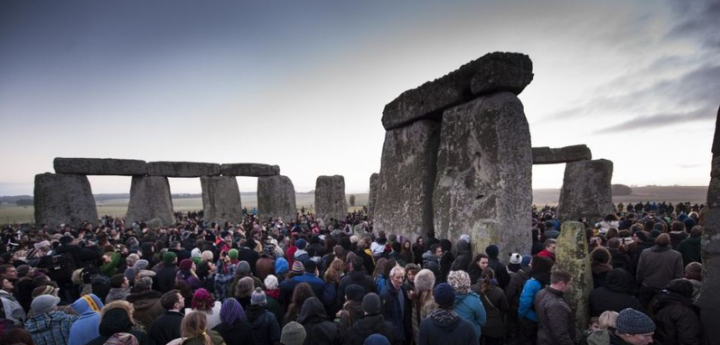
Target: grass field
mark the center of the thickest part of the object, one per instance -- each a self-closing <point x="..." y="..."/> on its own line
<point x="24" y="214"/>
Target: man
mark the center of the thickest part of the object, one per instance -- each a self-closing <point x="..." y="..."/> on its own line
<point x="356" y="276"/>
<point x="11" y="308"/>
<point x="167" y="326"/>
<point x="119" y="288"/>
<point x="49" y="326"/>
<point x="431" y="259"/>
<point x="693" y="273"/>
<point x="444" y="326"/>
<point x="396" y="306"/>
<point x="549" y="251"/>
<point x="9" y="272"/>
<point x="146" y="302"/>
<point x="632" y="327"/>
<point x="310" y="277"/>
<point x="556" y="323"/>
<point x="176" y="248"/>
<point x="166" y="276"/>
<point x="690" y="247"/>
<point x="656" y="268"/>
<point x="372" y="322"/>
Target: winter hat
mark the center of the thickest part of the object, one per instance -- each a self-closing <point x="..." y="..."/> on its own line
<point x="141" y="264"/>
<point x="631" y="321"/>
<point x="310" y="266"/>
<point x="231" y="311"/>
<point x="526" y="261"/>
<point x="44" y="303"/>
<point x="681" y="287"/>
<point x="293" y="334"/>
<point x="118" y="317"/>
<point x="301" y="244"/>
<point x="371" y="303"/>
<point x="224" y="234"/>
<point x="281" y="266"/>
<point x="271" y="282"/>
<point x="376" y="339"/>
<point x="195" y="253"/>
<point x="515" y="259"/>
<point x="269" y="250"/>
<point x="444" y="295"/>
<point x="233" y="254"/>
<point x="424" y="280"/>
<point x="202" y="299"/>
<point x="465" y="237"/>
<point x="243" y="267"/>
<point x="43" y="290"/>
<point x="122" y="339"/>
<point x="298" y="267"/>
<point x="689" y="223"/>
<point x="258" y="297"/>
<point x="169" y="258"/>
<point x="207" y="255"/>
<point x="185" y="264"/>
<point x="492" y="251"/>
<point x="355" y="292"/>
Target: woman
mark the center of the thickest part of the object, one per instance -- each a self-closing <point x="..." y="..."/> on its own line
<point x="272" y="294"/>
<point x="186" y="273"/>
<point x="477" y="266"/>
<point x="406" y="254"/>
<point x="379" y="274"/>
<point x="319" y="330"/>
<point x="203" y="302"/>
<point x="244" y="290"/>
<point x="418" y="249"/>
<point x="467" y="303"/>
<point x="234" y="328"/>
<point x="193" y="331"/>
<point x="496" y="306"/>
<point x="302" y="292"/>
<point x="423" y="300"/>
<point x="601" y="264"/>
<point x="332" y="281"/>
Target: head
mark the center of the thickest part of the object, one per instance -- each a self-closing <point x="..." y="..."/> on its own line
<point x="550" y="245"/>
<point x="202" y="300"/>
<point x="7" y="285"/>
<point x="634" y="327"/>
<point x="293" y="334"/>
<point x="424" y="280"/>
<point x="119" y="281"/>
<point x="302" y="292"/>
<point x="410" y="271"/>
<point x="172" y="300"/>
<point x="231" y="311"/>
<point x="481" y="261"/>
<point x="663" y="240"/>
<point x="561" y="280"/>
<point x="258" y="297"/>
<point x="693" y="271"/>
<point x="460" y="281"/>
<point x="444" y="295"/>
<point x="397" y="274"/>
<point x="193" y="325"/>
<point x="600" y="255"/>
<point x="371" y="304"/>
<point x="271" y="282"/>
<point x="9" y="272"/>
<point x="607" y="319"/>
<point x="245" y="287"/>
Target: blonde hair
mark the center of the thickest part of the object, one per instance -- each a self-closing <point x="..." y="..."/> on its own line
<point x="193" y="326"/>
<point x="607" y="319"/>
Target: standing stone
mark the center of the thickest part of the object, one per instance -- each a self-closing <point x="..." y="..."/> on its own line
<point x="150" y="200"/>
<point x="221" y="199"/>
<point x="276" y="198"/>
<point x="403" y="201"/>
<point x="586" y="191"/>
<point x="484" y="174"/>
<point x="330" y="198"/>
<point x="61" y="198"/>
<point x="99" y="166"/>
<point x="372" y="196"/>
<point x="572" y="256"/>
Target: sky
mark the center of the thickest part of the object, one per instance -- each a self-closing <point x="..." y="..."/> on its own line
<point x="302" y="84"/>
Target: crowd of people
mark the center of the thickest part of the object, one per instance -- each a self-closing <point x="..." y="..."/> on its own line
<point x="308" y="281"/>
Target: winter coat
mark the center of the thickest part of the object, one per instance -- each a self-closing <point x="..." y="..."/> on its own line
<point x="418" y="254"/>
<point x="515" y="287"/>
<point x="446" y="260"/>
<point x="432" y="262"/>
<point x="501" y="272"/>
<point x="319" y="331"/>
<point x="147" y="307"/>
<point x="166" y="278"/>
<point x="689" y="248"/>
<point x="447" y="328"/>
<point x="469" y="307"/>
<point x="397" y="310"/>
<point x="355" y="277"/>
<point x="51" y="328"/>
<point x="464" y="257"/>
<point x="12" y="308"/>
<point x="86" y="327"/>
<point x="117" y="320"/>
<point x="265" y="266"/>
<point x="620" y="259"/>
<point x="658" y="266"/>
<point x="265" y="327"/>
<point x="677" y="320"/>
<point x="367" y="325"/>
<point x="599" y="272"/>
<point x="496" y="308"/>
<point x="166" y="327"/>
<point x="556" y="324"/>
<point x="527" y="300"/>
<point x="83" y="256"/>
<point x="239" y="333"/>
<point x="616" y="295"/>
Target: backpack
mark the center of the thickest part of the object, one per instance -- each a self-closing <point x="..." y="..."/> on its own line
<point x="59" y="267"/>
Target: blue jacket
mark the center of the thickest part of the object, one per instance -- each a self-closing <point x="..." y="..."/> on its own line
<point x="527" y="300"/>
<point x="87" y="326"/>
<point x="469" y="307"/>
<point x="397" y="310"/>
<point x="317" y="285"/>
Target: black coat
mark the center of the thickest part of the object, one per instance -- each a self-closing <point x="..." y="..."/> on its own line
<point x="166" y="327"/>
<point x="677" y="320"/>
<point x="355" y="277"/>
<point x="118" y="322"/>
<point x="616" y="295"/>
<point x="166" y="278"/>
<point x="238" y="333"/>
<point x="366" y="326"/>
<point x="319" y="330"/>
<point x="265" y="327"/>
<point x="447" y="331"/>
<point x="501" y="272"/>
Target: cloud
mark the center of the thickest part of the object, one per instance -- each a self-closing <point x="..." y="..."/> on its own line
<point x="658" y="121"/>
<point x="691" y="166"/>
<point x="697" y="20"/>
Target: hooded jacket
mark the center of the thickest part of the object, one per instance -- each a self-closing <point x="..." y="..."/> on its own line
<point x="463" y="259"/>
<point x="658" y="266"/>
<point x="313" y="318"/>
<point x="147" y="306"/>
<point x="616" y="295"/>
<point x="86" y="327"/>
<point x="265" y="327"/>
<point x="689" y="248"/>
<point x="469" y="307"/>
<point x="367" y="325"/>
<point x="677" y="319"/>
<point x="12" y="308"/>
<point x="117" y="320"/>
<point x="239" y="333"/>
<point x="51" y="328"/>
<point x="447" y="328"/>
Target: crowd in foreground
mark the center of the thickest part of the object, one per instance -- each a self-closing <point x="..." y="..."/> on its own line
<point x="339" y="282"/>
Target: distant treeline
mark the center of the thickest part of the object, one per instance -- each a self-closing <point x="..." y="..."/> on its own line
<point x="27" y="200"/>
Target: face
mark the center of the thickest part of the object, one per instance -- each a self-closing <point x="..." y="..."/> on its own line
<point x="181" y="302"/>
<point x="411" y="276"/>
<point x="551" y="247"/>
<point x="406" y="245"/>
<point x="397" y="279"/>
<point x="483" y="263"/>
<point x="567" y="287"/>
<point x="7" y="285"/>
<point x="438" y="252"/>
<point x="420" y="241"/>
<point x="11" y="273"/>
<point x="125" y="283"/>
<point x="638" y="339"/>
<point x="228" y="239"/>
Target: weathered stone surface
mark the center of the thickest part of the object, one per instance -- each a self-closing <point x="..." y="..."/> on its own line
<point x="276" y="198"/>
<point x="150" y="199"/>
<point x="709" y="300"/>
<point x="99" y="166"/>
<point x="330" y="200"/>
<point x="621" y="190"/>
<point x="501" y="72"/>
<point x="221" y="199"/>
<point x="405" y="184"/>
<point x="62" y="198"/>
<point x="572" y="255"/>
<point x="716" y="137"/>
<point x="249" y="169"/>
<point x="484" y="174"/>
<point x="182" y="169"/>
<point x="372" y="196"/>
<point x="586" y="191"/>
<point x="546" y="155"/>
<point x="492" y="72"/>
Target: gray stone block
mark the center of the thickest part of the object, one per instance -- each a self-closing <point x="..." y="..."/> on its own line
<point x="586" y="191"/>
<point x="372" y="196"/>
<point x="330" y="198"/>
<point x="221" y="199"/>
<point x="546" y="155"/>
<point x="182" y="169"/>
<point x="150" y="199"/>
<point x="63" y="199"/>
<point x="276" y="198"/>
<point x="502" y="72"/>
<point x="99" y="166"/>
<point x="572" y="255"/>
<point x="249" y="169"/>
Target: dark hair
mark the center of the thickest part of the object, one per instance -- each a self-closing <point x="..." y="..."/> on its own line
<point x="117" y="280"/>
<point x="663" y="240"/>
<point x="600" y="255"/>
<point x="17" y="336"/>
<point x="614" y="243"/>
<point x="548" y="242"/>
<point x="302" y="292"/>
<point x="560" y="276"/>
<point x="694" y="271"/>
<point x="169" y="299"/>
<point x="696" y="231"/>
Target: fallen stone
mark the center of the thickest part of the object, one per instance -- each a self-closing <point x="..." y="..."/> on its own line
<point x="249" y="169"/>
<point x="330" y="200"/>
<point x="403" y="201"/>
<point x="64" y="199"/>
<point x="493" y="72"/>
<point x="372" y="196"/>
<point x="221" y="199"/>
<point x="182" y="169"/>
<point x="546" y="155"/>
<point x="99" y="166"/>
<point x="484" y="174"/>
<point x="276" y="198"/>
<point x="586" y="191"/>
<point x="149" y="199"/>
<point x="572" y="255"/>
<point x="620" y="190"/>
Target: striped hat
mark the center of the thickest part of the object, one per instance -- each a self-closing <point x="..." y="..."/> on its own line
<point x="298" y="268"/>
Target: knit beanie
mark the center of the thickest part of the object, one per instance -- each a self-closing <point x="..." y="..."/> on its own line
<point x="195" y="253"/>
<point x="231" y="311"/>
<point x="301" y="244"/>
<point x="122" y="339"/>
<point x="141" y="264"/>
<point x="371" y="303"/>
<point x="43" y="290"/>
<point x="258" y="297"/>
<point x="631" y="321"/>
<point x="525" y="261"/>
<point x="281" y="266"/>
<point x="44" y="303"/>
<point x="444" y="295"/>
<point x="492" y="251"/>
<point x="243" y="267"/>
<point x="169" y="258"/>
<point x="355" y="292"/>
<point x="233" y="254"/>
<point x="376" y="339"/>
<point x="293" y="334"/>
<point x="298" y="267"/>
<point x="185" y="264"/>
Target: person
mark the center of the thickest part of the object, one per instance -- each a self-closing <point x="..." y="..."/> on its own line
<point x="310" y="277"/>
<point x="467" y="302"/>
<point x="203" y="302"/>
<point x="265" y="327"/>
<point x="512" y="293"/>
<point x="167" y="326"/>
<point x="194" y="331"/>
<point x="549" y="249"/>
<point x="117" y="317"/>
<point x="600" y="331"/>
<point x="431" y="259"/>
<point x="293" y="334"/>
<point x="690" y="247"/>
<point x="372" y="322"/>
<point x="693" y="273"/>
<point x="302" y="292"/>
<point x="676" y="317"/>
<point x="186" y="273"/>
<point x="273" y="296"/>
<point x="496" y="307"/>
<point x="464" y="256"/>
<point x="657" y="266"/>
<point x="397" y="308"/>
<point x="167" y="274"/>
<point x="539" y="278"/>
<point x="11" y="307"/>
<point x="85" y="328"/>
<point x="352" y="308"/>
<point x="501" y="272"/>
<point x="356" y="276"/>
<point x="16" y="336"/>
<point x="632" y="327"/>
<point x="418" y="249"/>
<point x="617" y="294"/>
<point x="313" y="318"/>
<point x="477" y="266"/>
<point x="146" y="302"/>
<point x="47" y="325"/>
<point x="444" y="325"/>
<point x="556" y="322"/>
<point x="234" y="328"/>
<point x="600" y="264"/>
<point x="119" y="288"/>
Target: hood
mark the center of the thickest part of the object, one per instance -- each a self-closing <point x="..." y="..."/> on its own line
<point x="150" y="296"/>
<point x="666" y="298"/>
<point x="311" y="310"/>
<point x="254" y="312"/>
<point x="371" y="324"/>
<point x="619" y="280"/>
<point x="281" y="266"/>
<point x="429" y="256"/>
<point x="88" y="305"/>
<point x="463" y="247"/>
<point x="444" y="319"/>
<point x="115" y="321"/>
